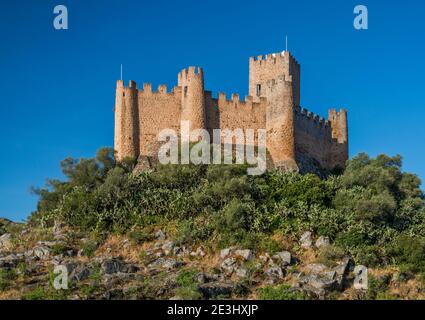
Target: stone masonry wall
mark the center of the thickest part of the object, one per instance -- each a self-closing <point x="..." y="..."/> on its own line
<point x="296" y="138"/>
<point x="158" y="110"/>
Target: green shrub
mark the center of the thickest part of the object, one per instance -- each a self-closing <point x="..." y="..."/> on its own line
<point x="188" y="287"/>
<point x="187" y="277"/>
<point x="139" y="236"/>
<point x="269" y="245"/>
<point x="193" y="231"/>
<point x="6" y="278"/>
<point x="233" y="222"/>
<point x="409" y="252"/>
<point x="41" y="293"/>
<point x="36" y="294"/>
<point x="330" y="255"/>
<point x="281" y="292"/>
<point x="89" y="248"/>
<point x="59" y="248"/>
<point x="377" y="287"/>
<point x="293" y="188"/>
<point x="370" y="256"/>
<point x="179" y="177"/>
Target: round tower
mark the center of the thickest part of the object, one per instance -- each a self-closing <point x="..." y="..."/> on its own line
<point x="119" y="101"/>
<point x="129" y="124"/>
<point x="339" y="124"/>
<point x="193" y="99"/>
<point x="280" y="123"/>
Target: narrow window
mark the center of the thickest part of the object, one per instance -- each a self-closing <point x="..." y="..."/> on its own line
<point x="258" y="90"/>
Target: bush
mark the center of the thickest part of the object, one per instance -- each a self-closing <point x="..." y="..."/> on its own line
<point x="377" y="288"/>
<point x="233" y="222"/>
<point x="188" y="288"/>
<point x="364" y="210"/>
<point x="281" y="292"/>
<point x="330" y="255"/>
<point x="408" y="252"/>
<point x="269" y="245"/>
<point x="139" y="236"/>
<point x="89" y="248"/>
<point x="370" y="256"/>
<point x="193" y="231"/>
<point x="6" y="278"/>
<point x="59" y="248"/>
<point x="293" y="188"/>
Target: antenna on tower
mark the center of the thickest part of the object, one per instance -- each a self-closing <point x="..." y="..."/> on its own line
<point x="286" y="43"/>
<point x="121" y="72"/>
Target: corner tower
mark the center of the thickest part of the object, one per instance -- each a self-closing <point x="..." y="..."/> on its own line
<point x="191" y="81"/>
<point x="271" y="67"/>
<point x="339" y="124"/>
<point x="126" y="142"/>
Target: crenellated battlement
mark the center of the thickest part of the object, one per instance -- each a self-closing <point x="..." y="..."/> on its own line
<point x="314" y="118"/>
<point x="235" y="101"/>
<point x="294" y="134"/>
<point x="189" y="73"/>
<point x="147" y="88"/>
<point x="272" y="59"/>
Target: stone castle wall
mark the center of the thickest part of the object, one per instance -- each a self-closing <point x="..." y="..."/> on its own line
<point x="296" y="138"/>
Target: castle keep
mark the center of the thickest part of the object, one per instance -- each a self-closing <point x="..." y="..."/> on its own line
<point x="297" y="139"/>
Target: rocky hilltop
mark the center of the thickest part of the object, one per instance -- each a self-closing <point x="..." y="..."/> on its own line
<point x="151" y="266"/>
<point x="213" y="232"/>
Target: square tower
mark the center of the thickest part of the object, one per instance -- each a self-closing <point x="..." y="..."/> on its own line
<point x="263" y="70"/>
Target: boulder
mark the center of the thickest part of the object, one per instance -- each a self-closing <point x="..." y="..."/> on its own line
<point x="10" y="261"/>
<point x="6" y="242"/>
<point x="115" y="265"/>
<point x="318" y="285"/>
<point x="216" y="289"/>
<point x="225" y="253"/>
<point x="306" y="240"/>
<point x="342" y="269"/>
<point x="264" y="258"/>
<point x="172" y="264"/>
<point x="241" y="272"/>
<point x="283" y="258"/>
<point x="58" y="230"/>
<point x="322" y="242"/>
<point x="344" y="266"/>
<point x="201" y="278"/>
<point x="111" y="281"/>
<point x="77" y="272"/>
<point x="246" y="254"/>
<point x="316" y="268"/>
<point x="160" y="235"/>
<point x="41" y="252"/>
<point x="199" y="252"/>
<point x="81" y="274"/>
<point x="178" y="251"/>
<point x="274" y="272"/>
<point x="111" y="266"/>
<point x="361" y="280"/>
<point x="165" y="264"/>
<point x="321" y="280"/>
<point x="168" y="247"/>
<point x="229" y="265"/>
<point x="58" y="227"/>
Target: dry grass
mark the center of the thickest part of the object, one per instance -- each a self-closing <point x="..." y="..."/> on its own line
<point x="12" y="294"/>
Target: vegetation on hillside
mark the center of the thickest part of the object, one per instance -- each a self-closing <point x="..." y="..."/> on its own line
<point x="373" y="210"/>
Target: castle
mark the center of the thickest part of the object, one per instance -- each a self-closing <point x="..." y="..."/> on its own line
<point x="296" y="138"/>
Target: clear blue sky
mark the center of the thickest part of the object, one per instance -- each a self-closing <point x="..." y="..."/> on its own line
<point x="57" y="87"/>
